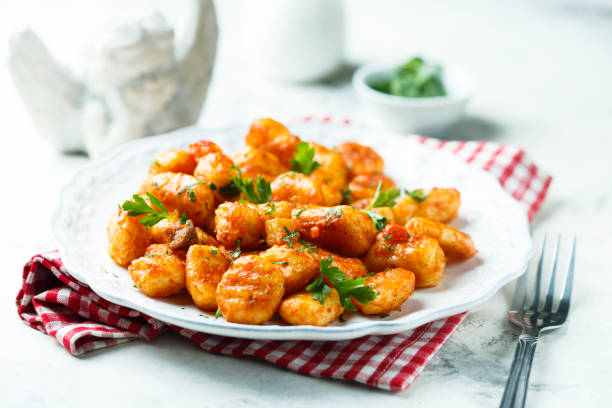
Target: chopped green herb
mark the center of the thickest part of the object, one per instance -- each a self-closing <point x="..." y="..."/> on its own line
<point x="384" y="315"/>
<point x="287" y="238"/>
<point x="307" y="244"/>
<point x="115" y="275"/>
<point x="379" y="220"/>
<point x="188" y="187"/>
<point x="236" y="253"/>
<point x="272" y="209"/>
<point x="300" y="212"/>
<point x="257" y="192"/>
<point x="214" y="251"/>
<point x="387" y="237"/>
<point x="150" y="256"/>
<point x="229" y="191"/>
<point x="218" y="313"/>
<point x="183" y="219"/>
<point x="341" y="318"/>
<point x="417" y="195"/>
<point x="384" y="198"/>
<point x="212" y="186"/>
<point x="156" y="185"/>
<point x="389" y="246"/>
<point x="347" y="288"/>
<point x="303" y="159"/>
<point x="190" y="192"/>
<point x="414" y="79"/>
<point x="152" y="214"/>
<point x="346" y="196"/>
<point x="371" y="273"/>
<point x="334" y="212"/>
<point x="280" y="262"/>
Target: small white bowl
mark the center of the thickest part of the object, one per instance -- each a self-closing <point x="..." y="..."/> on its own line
<point x="426" y="116"/>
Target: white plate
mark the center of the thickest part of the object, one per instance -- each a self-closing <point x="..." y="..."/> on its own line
<point x="495" y="221"/>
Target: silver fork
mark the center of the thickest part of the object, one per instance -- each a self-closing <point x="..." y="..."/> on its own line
<point x="533" y="317"/>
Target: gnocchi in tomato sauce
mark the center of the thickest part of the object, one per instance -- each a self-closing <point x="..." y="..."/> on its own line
<point x="284" y="227"/>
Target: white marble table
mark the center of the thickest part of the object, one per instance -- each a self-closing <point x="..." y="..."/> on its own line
<point x="544" y="83"/>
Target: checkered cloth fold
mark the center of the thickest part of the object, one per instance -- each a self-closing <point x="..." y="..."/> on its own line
<point x="57" y="304"/>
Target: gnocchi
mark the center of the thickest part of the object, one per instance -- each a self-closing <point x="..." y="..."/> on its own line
<point x="264" y="231"/>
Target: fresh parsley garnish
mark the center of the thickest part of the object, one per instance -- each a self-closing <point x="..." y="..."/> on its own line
<point x="346" y="196"/>
<point x="280" y="262"/>
<point x="212" y="186"/>
<point x="229" y="191"/>
<point x="379" y="220"/>
<point x="152" y="214"/>
<point x="236" y="253"/>
<point x="334" y="212"/>
<point x="287" y="238"/>
<point x="346" y="288"/>
<point x="300" y="213"/>
<point x="218" y="313"/>
<point x="390" y="247"/>
<point x="384" y="315"/>
<point x="190" y="192"/>
<point x="272" y="209"/>
<point x="303" y="159"/>
<point x="414" y="79"/>
<point x="307" y="244"/>
<point x="183" y="219"/>
<point x="257" y="191"/>
<point x="387" y="237"/>
<point x="384" y="198"/>
<point x="417" y="195"/>
<point x="214" y="251"/>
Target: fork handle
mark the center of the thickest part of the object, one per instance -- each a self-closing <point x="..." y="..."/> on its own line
<point x="516" y="387"/>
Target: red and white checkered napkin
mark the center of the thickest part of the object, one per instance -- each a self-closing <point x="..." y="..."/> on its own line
<point x="57" y="304"/>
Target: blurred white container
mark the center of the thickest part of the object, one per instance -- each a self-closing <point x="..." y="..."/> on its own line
<point x="426" y="116"/>
<point x="293" y="40"/>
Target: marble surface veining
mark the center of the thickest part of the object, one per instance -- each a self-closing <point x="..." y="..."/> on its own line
<point x="543" y="69"/>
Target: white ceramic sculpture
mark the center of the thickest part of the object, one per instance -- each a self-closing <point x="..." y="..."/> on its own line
<point x="142" y="83"/>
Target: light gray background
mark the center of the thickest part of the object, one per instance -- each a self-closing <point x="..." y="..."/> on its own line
<point x="544" y="73"/>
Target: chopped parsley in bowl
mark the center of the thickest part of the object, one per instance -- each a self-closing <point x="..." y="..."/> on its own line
<point x="413" y="79"/>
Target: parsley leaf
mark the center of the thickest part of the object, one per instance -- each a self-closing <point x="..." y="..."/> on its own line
<point x="384" y="315"/>
<point x="287" y="238"/>
<point x="384" y="198"/>
<point x="229" y="191"/>
<point x="417" y="195"/>
<point x="379" y="220"/>
<point x="303" y="159"/>
<point x="307" y="244"/>
<point x="257" y="191"/>
<point x="346" y="288"/>
<point x="300" y="212"/>
<point x="212" y="186"/>
<point x="236" y="253"/>
<point x="346" y="196"/>
<point x="190" y="192"/>
<point x="334" y="212"/>
<point x="183" y="219"/>
<point x="153" y="213"/>
<point x="272" y="209"/>
<point x="218" y="313"/>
